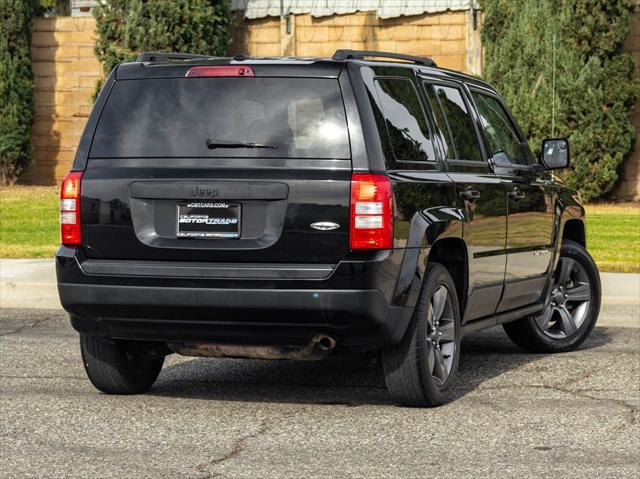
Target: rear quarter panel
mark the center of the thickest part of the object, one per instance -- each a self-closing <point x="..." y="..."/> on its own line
<point x="425" y="213"/>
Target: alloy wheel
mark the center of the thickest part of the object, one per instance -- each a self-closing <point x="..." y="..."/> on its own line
<point x="441" y="335"/>
<point x="569" y="300"/>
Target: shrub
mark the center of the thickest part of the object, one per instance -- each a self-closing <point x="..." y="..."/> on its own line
<point x="16" y="87"/>
<point x="55" y="8"/>
<point x="596" y="83"/>
<point x="127" y="27"/>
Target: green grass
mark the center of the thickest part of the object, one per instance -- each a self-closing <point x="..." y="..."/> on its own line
<point x="613" y="236"/>
<point x="29" y="221"/>
<point x="29" y="228"/>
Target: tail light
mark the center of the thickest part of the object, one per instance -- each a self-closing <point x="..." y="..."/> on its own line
<point x="220" y="71"/>
<point x="371" y="212"/>
<point x="70" y="209"/>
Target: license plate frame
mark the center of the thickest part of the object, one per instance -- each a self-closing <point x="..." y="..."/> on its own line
<point x="208" y="220"/>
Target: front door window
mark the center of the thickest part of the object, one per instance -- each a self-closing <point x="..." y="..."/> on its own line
<point x="503" y="142"/>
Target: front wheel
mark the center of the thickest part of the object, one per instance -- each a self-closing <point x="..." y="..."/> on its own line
<point x="420" y="370"/>
<point x="571" y="310"/>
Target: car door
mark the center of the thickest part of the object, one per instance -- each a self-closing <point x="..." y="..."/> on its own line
<point x="530" y="215"/>
<point x="479" y="192"/>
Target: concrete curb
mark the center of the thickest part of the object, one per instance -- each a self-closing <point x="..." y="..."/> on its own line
<point x="31" y="283"/>
<point x="29" y="295"/>
<point x="28" y="283"/>
<point x="621" y="288"/>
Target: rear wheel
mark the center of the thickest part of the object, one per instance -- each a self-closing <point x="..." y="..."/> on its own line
<point x="420" y="370"/>
<point x="119" y="367"/>
<point x="572" y="306"/>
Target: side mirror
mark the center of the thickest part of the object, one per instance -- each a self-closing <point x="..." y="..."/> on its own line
<point x="501" y="159"/>
<point x="555" y="153"/>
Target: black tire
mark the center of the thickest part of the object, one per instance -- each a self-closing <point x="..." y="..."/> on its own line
<point x="408" y="374"/>
<point x="529" y="335"/>
<point x="119" y="367"/>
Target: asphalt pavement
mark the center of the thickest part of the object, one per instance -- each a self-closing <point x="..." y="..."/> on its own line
<point x="514" y="414"/>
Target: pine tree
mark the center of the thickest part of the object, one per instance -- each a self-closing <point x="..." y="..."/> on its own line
<point x="596" y="83"/>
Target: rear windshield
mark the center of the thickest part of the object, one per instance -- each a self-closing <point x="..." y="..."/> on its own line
<point x="223" y="117"/>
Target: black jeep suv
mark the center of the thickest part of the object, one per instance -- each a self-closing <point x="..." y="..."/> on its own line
<point x="291" y="208"/>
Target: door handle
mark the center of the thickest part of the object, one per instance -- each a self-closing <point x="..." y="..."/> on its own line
<point x="469" y="195"/>
<point x="516" y="194"/>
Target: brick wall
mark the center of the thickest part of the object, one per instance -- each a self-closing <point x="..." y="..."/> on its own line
<point x="66" y="69"/>
<point x="442" y="36"/>
<point x="628" y="187"/>
<point x="66" y="72"/>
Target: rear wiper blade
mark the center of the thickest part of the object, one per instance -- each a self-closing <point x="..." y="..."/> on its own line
<point x="237" y="144"/>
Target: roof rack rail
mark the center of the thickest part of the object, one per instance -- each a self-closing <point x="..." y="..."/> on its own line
<point x="360" y="54"/>
<point x="160" y="56"/>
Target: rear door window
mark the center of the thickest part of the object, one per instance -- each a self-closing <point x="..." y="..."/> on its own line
<point x="455" y="121"/>
<point x="401" y="121"/>
<point x="223" y="117"/>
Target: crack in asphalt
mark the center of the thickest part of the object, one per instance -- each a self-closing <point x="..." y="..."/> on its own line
<point x="238" y="446"/>
<point x="20" y="329"/>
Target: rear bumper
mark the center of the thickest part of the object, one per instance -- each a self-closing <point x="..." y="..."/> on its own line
<point x="172" y="310"/>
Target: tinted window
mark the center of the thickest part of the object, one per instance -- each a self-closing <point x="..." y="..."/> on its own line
<point x="297" y="117"/>
<point x="501" y="135"/>
<point x="451" y="112"/>
<point x="401" y="122"/>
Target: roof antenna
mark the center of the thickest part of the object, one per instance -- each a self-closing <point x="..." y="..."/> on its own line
<point x="281" y="22"/>
<point x="553" y="89"/>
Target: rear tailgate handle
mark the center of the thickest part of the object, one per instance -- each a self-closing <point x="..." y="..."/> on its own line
<point x="204" y="190"/>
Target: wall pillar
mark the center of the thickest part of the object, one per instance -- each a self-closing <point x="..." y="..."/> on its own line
<point x="288" y="35"/>
<point x="65" y="72"/>
<point x="473" y="64"/>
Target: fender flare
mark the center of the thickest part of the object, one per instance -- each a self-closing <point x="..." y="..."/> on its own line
<point x="567" y="208"/>
<point x="426" y="228"/>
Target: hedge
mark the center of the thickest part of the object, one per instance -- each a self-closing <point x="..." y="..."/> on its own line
<point x="127" y="27"/>
<point x="596" y="83"/>
<point x="16" y="87"/>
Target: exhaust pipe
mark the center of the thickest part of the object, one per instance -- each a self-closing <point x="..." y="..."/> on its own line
<point x="319" y="346"/>
<point x="325" y="343"/>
